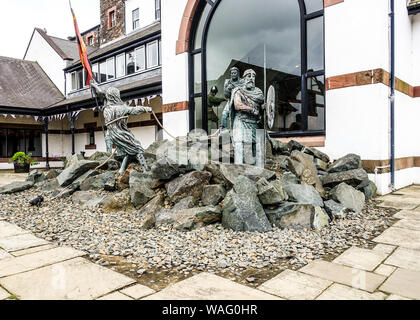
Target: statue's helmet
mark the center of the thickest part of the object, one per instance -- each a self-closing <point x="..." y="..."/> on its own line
<point x="214" y="90"/>
<point x="234" y="69"/>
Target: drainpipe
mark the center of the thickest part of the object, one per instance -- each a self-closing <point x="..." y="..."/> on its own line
<point x="392" y="94"/>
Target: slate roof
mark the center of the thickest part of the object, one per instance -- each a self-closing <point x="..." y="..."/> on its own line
<point x="66" y="49"/>
<point x="23" y="84"/>
<point x="413" y="6"/>
<point x="413" y="3"/>
<point x="131" y="38"/>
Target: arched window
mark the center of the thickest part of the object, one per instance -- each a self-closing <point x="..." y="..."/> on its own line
<point x="283" y="41"/>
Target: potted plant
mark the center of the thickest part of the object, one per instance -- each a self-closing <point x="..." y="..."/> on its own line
<point x="22" y="162"/>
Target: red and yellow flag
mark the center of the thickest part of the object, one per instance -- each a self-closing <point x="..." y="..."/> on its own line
<point x="82" y="51"/>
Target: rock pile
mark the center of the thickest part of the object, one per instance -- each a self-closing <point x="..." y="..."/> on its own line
<point x="299" y="189"/>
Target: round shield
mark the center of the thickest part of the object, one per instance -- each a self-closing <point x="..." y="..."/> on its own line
<point x="271" y="107"/>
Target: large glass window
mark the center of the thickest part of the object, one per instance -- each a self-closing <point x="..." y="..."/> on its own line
<point x="110" y="68"/>
<point x="152" y="54"/>
<point x="129" y="60"/>
<point x="95" y="71"/>
<point x="120" y="65"/>
<point x="102" y="72"/>
<point x="20" y="140"/>
<point x="136" y="19"/>
<point x="282" y="41"/>
<point x="140" y="58"/>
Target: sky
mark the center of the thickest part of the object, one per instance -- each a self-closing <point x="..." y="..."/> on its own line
<point x="20" y="17"/>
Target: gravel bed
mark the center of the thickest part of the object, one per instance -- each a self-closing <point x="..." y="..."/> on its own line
<point x="159" y="256"/>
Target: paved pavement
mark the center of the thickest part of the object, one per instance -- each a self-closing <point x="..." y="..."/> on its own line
<point x="32" y="268"/>
<point x="9" y="177"/>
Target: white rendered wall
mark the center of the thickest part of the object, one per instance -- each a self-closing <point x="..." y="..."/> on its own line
<point x="49" y="60"/>
<point x="146" y="13"/>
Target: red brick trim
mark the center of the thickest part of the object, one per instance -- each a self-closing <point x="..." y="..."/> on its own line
<point x="309" y="141"/>
<point x="329" y="3"/>
<point x="185" y="28"/>
<point x="370" y="77"/>
<point x="400" y="164"/>
<point x="177" y="106"/>
<point x="108" y="14"/>
<point x="90" y="147"/>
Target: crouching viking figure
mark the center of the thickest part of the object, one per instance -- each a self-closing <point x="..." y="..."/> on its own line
<point x="246" y="106"/>
<point x="116" y="114"/>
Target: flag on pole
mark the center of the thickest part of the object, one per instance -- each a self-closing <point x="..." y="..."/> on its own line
<point x="82" y="51"/>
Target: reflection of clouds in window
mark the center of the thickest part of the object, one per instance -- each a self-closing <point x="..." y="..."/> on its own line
<point x="275" y="24"/>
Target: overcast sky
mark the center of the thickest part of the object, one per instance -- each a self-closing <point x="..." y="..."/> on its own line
<point x="20" y="17"/>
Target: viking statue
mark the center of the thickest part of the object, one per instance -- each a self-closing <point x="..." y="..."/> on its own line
<point x="230" y="84"/>
<point x="246" y="108"/>
<point x="116" y="114"/>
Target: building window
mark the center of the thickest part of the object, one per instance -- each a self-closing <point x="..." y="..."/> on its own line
<point x="110" y="68"/>
<point x="73" y="81"/>
<point x="288" y="35"/>
<point x="111" y="18"/>
<point x="95" y="71"/>
<point x="120" y="65"/>
<point x="90" y="41"/>
<point x="160" y="52"/>
<point x="157" y="9"/>
<point x="136" y="18"/>
<point x="130" y="67"/>
<point x="102" y="72"/>
<point x="152" y="54"/>
<point x="20" y="140"/>
<point x="90" y="128"/>
<point x="140" y="58"/>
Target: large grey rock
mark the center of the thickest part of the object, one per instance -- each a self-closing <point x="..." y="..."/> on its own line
<point x="119" y="201"/>
<point x="47" y="185"/>
<point x="303" y="194"/>
<point x="317" y="154"/>
<point x="336" y="210"/>
<point x="351" y="177"/>
<point x="185" y="203"/>
<point x="75" y="171"/>
<point x="227" y="174"/>
<point x="77" y="183"/>
<point x="297" y="216"/>
<point x="81" y="197"/>
<point x="321" y="165"/>
<point x="294" y="145"/>
<point x="369" y="190"/>
<point x="213" y="194"/>
<point x="147" y="213"/>
<point x="346" y="163"/>
<point x="52" y="173"/>
<point x="278" y="147"/>
<point x="154" y="148"/>
<point x="98" y="182"/>
<point x="73" y="159"/>
<point x="270" y="193"/>
<point x="17" y="186"/>
<point x="242" y="210"/>
<point x="309" y="174"/>
<point x="295" y="167"/>
<point x="99" y="155"/>
<point x="140" y="188"/>
<point x="164" y="217"/>
<point x="348" y="197"/>
<point x="190" y="184"/>
<point x="36" y="176"/>
<point x="194" y="218"/>
<point x="287" y="178"/>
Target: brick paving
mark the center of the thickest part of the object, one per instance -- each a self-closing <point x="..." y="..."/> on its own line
<point x="31" y="268"/>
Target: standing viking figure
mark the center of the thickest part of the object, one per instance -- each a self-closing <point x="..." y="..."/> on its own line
<point x="246" y="107"/>
<point x="116" y="114"/>
<point x="230" y="84"/>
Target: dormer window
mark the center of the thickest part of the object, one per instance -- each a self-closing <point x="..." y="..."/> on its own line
<point x="136" y="19"/>
<point x="111" y="17"/>
<point x="90" y="41"/>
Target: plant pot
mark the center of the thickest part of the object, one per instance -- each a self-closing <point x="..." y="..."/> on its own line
<point x="22" y="168"/>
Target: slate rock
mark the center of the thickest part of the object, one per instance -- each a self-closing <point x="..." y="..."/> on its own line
<point x="351" y="177"/>
<point x="370" y="190"/>
<point x="140" y="188"/>
<point x="189" y="219"/>
<point x="78" y="182"/>
<point x="292" y="215"/>
<point x="185" y="203"/>
<point x="190" y="184"/>
<point x="213" y="194"/>
<point x="47" y="185"/>
<point x="277" y="146"/>
<point x="120" y="201"/>
<point x="294" y="145"/>
<point x="36" y="176"/>
<point x="97" y="182"/>
<point x="268" y="193"/>
<point x="317" y="154"/>
<point x="348" y="197"/>
<point x="99" y="155"/>
<point x="52" y="173"/>
<point x="309" y="174"/>
<point x="73" y="159"/>
<point x="287" y="178"/>
<point x="321" y="165"/>
<point x="16" y="186"/>
<point x="335" y="209"/>
<point x="346" y="163"/>
<point x="164" y="217"/>
<point x="75" y="171"/>
<point x="303" y="194"/>
<point x="147" y="213"/>
<point x="320" y="219"/>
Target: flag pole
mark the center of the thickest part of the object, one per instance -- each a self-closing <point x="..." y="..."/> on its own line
<point x="265" y="102"/>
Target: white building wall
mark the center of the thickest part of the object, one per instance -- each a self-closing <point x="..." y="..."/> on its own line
<point x="146" y="13"/>
<point x="49" y="60"/>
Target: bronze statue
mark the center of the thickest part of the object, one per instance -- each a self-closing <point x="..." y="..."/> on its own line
<point x="246" y="112"/>
<point x="116" y="114"/>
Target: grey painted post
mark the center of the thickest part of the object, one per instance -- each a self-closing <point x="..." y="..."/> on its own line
<point x="47" y="164"/>
<point x="72" y="120"/>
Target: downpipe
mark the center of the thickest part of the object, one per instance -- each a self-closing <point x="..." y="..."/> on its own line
<point x="392" y="92"/>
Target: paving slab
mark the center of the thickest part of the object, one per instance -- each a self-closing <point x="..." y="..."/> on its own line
<point x="115" y="296"/>
<point x="32" y="250"/>
<point x="385" y="248"/>
<point x="411" y="224"/>
<point x="400" y="237"/>
<point x="7" y="230"/>
<point x="206" y="286"/>
<point x="4" y="294"/>
<point x="404" y="283"/>
<point x="341" y="292"/>
<point x="359" y="258"/>
<point x="137" y="291"/>
<point x="295" y="285"/>
<point x="402" y="199"/>
<point x="75" y="279"/>
<point x="37" y="260"/>
<point x="405" y="258"/>
<point x="22" y="241"/>
<point x="385" y="270"/>
<point x="398" y="205"/>
<point x="359" y="279"/>
<point x="408" y="214"/>
<point x="397" y="297"/>
<point x="5" y="255"/>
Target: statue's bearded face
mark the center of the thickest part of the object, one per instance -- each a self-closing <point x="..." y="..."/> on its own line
<point x="250" y="81"/>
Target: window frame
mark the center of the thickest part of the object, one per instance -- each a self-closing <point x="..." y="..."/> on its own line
<point x="158" y="9"/>
<point x="135" y="20"/>
<point x="107" y="71"/>
<point x="149" y="44"/>
<point x="124" y="66"/>
<point x="112" y="19"/>
<point x="196" y="49"/>
<point x="142" y="47"/>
